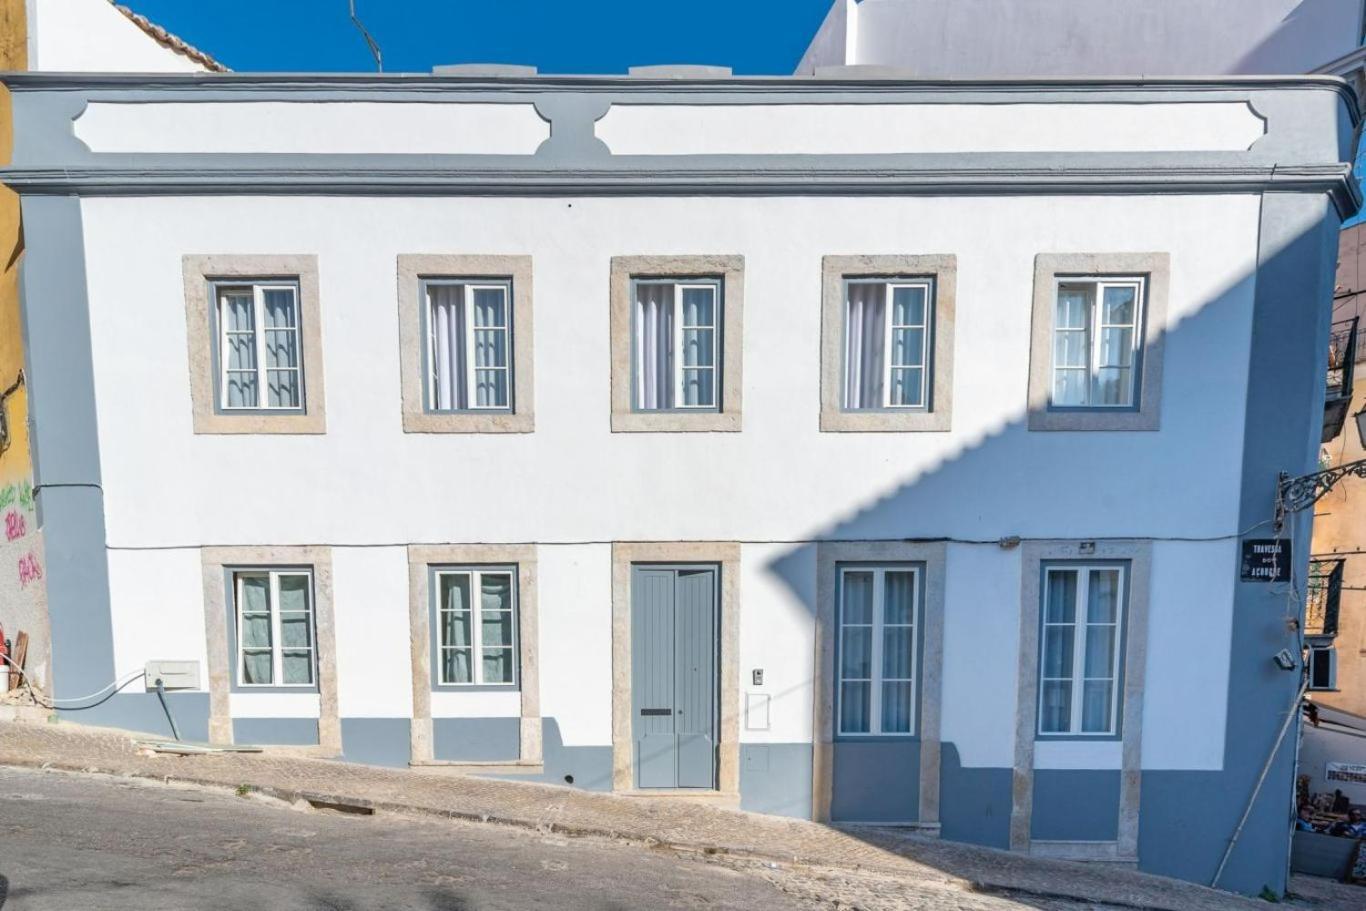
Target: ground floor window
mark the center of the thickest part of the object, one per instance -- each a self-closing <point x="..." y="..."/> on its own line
<point x="1083" y="609"/>
<point x="275" y="635"/>
<point x="476" y="622"/>
<point x="878" y="611"/>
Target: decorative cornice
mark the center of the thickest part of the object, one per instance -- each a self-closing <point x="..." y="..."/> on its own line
<point x="760" y="181"/>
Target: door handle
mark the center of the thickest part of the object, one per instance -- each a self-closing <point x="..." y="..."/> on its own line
<point x="656" y="711"/>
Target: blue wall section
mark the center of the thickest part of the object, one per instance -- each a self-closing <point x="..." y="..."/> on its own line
<point x="875" y="781"/>
<point x="377" y="741"/>
<point x="476" y="739"/>
<point x="1075" y="805"/>
<point x="142" y="712"/>
<point x="776" y="778"/>
<point x="974" y="804"/>
<point x="275" y="731"/>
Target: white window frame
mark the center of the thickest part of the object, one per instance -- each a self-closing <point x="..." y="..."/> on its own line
<point x="926" y="347"/>
<point x="467" y="310"/>
<point x="1317" y="654"/>
<point x="1079" y="623"/>
<point x="258" y="322"/>
<point x="476" y="575"/>
<point x="1094" y="327"/>
<point x="277" y="646"/>
<point x="676" y="355"/>
<point x="877" y="626"/>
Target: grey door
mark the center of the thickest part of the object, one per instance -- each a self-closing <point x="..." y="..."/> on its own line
<point x="673" y="671"/>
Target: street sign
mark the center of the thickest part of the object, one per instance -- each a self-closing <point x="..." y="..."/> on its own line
<point x="1266" y="560"/>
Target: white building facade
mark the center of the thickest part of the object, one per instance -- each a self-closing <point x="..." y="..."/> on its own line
<point x="860" y="451"/>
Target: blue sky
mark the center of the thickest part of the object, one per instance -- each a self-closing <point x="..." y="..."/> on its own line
<point x="558" y="36"/>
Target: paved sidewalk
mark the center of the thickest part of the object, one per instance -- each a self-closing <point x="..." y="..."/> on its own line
<point x="682" y="825"/>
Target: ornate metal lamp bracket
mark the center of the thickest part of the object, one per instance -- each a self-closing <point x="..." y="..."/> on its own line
<point x="1294" y="494"/>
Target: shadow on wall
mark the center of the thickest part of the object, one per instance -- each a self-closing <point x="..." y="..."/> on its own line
<point x="1065" y="485"/>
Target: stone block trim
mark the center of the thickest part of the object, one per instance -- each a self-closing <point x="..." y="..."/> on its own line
<point x="1156" y="269"/>
<point x="215" y="562"/>
<point x="726" y="555"/>
<point x="199" y="272"/>
<point x="412" y="268"/>
<point x="421" y="557"/>
<point x="933" y="557"/>
<point x="1138" y="554"/>
<point x="731" y="271"/>
<point x="943" y="268"/>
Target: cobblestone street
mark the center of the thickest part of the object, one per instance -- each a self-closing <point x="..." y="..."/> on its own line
<point x="608" y="845"/>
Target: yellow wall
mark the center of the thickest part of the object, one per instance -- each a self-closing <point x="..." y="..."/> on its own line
<point x="22" y="593"/>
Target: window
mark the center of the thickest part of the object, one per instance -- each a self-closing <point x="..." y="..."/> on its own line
<point x="476" y="644"/>
<point x="1323" y="667"/>
<point x="1096" y="342"/>
<point x="468" y="331"/>
<point x="258" y="344"/>
<point x="878" y="611"/>
<point x="275" y="635"/>
<point x="677" y="338"/>
<point x="1079" y="666"/>
<point x="887" y="343"/>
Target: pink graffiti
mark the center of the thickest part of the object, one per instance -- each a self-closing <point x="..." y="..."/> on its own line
<point x="15" y="526"/>
<point x="29" y="570"/>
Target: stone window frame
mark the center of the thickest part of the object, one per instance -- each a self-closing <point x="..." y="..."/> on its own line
<point x="933" y="558"/>
<point x="731" y="270"/>
<point x="200" y="272"/>
<point x="1048" y="267"/>
<point x="725" y="555"/>
<point x="1034" y="557"/>
<point x="943" y="269"/>
<point x="516" y="269"/>
<point x="421" y="559"/>
<point x="217" y="563"/>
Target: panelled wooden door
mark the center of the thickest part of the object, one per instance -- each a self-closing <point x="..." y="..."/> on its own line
<point x="674" y="676"/>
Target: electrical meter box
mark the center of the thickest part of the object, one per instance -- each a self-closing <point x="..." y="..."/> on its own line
<point x="174" y="675"/>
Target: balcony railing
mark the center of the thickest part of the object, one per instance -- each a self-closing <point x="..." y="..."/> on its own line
<point x="1324" y="595"/>
<point x="1342" y="360"/>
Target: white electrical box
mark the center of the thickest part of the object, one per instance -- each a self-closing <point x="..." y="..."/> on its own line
<point x="756" y="711"/>
<point x="174" y="675"/>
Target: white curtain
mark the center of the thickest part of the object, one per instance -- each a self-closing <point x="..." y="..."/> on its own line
<point x="864" y="329"/>
<point x="654" y="344"/>
<point x="448" y="344"/>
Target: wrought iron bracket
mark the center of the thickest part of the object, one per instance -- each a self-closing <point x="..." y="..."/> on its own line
<point x="1294" y="494"/>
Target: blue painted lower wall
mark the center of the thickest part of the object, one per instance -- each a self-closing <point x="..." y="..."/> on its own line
<point x="143" y="713"/>
<point x="974" y="804"/>
<point x="275" y="731"/>
<point x="377" y="741"/>
<point x="875" y="781"/>
<point x="476" y="739"/>
<point x="775" y="778"/>
<point x="1075" y="805"/>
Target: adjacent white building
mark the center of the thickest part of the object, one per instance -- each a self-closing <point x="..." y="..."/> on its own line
<point x="862" y="450"/>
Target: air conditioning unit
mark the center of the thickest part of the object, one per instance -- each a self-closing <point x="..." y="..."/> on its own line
<point x="1323" y="667"/>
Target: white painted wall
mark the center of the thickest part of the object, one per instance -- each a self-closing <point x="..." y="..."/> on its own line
<point x="981" y="38"/>
<point x="573" y="485"/>
<point x="93" y="36"/>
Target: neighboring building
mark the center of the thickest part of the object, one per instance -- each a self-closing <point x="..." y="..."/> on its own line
<point x="958" y="39"/>
<point x="772" y="486"/>
<point x="1336" y="613"/>
<point x="63" y="35"/>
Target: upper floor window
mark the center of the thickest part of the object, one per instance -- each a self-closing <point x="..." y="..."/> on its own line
<point x="476" y="621"/>
<point x="274" y="612"/>
<point x="887" y="344"/>
<point x="1097" y="342"/>
<point x="259" y="345"/>
<point x="469" y="339"/>
<point x="676" y="340"/>
<point x="1083" y="609"/>
<point x="878" y="611"/>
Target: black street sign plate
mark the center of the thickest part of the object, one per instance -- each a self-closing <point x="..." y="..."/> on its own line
<point x="1266" y="560"/>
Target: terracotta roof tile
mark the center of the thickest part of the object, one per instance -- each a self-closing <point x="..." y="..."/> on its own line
<point x="171" y="42"/>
